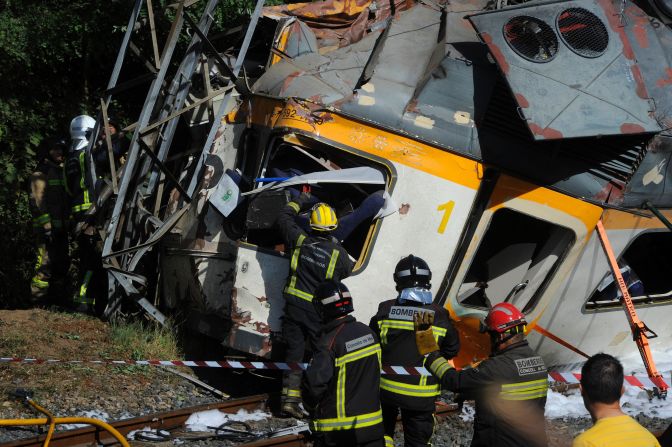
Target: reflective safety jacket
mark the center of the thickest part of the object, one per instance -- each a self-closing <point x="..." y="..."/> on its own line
<point x="393" y="323"/>
<point x="76" y="185"/>
<point x="49" y="202"/>
<point x="342" y="380"/>
<point x="313" y="260"/>
<point x="510" y="393"/>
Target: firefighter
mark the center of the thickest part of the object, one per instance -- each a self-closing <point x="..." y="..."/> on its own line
<point x="119" y="145"/>
<point x="49" y="206"/>
<point x="315" y="257"/>
<point x="393" y="323"/>
<point x="78" y="184"/>
<point x="340" y="386"/>
<point x="509" y="387"/>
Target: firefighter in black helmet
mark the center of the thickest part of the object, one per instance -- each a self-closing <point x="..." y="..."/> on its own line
<point x="393" y="323"/>
<point x="315" y="257"/>
<point x="340" y="386"/>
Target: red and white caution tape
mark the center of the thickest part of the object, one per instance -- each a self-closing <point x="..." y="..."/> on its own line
<point x="230" y="364"/>
<point x="638" y="381"/>
<point x="553" y="376"/>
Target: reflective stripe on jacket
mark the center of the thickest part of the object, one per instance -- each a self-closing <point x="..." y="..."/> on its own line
<point x="75" y="182"/>
<point x="313" y="259"/>
<point x="393" y="323"/>
<point x="341" y="382"/>
<point x="49" y="202"/>
<point x="510" y="393"/>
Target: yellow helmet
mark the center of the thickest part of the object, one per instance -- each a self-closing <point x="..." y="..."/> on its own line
<point x="323" y="217"/>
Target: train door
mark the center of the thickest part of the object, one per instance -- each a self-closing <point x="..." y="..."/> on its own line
<point x="519" y="249"/>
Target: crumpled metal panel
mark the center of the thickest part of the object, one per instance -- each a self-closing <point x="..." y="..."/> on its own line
<point x="338" y="23"/>
<point x="565" y="94"/>
<point x="651" y="43"/>
<point x="293" y="38"/>
<point x="301" y="40"/>
<point x="463" y="104"/>
<point x="403" y="63"/>
<point x="653" y="179"/>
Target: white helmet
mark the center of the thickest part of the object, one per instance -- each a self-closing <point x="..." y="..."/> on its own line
<point x="80" y="131"/>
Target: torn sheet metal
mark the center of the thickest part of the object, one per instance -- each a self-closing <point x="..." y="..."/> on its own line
<point x="257" y="307"/>
<point x="338" y="23"/>
<point x="572" y="67"/>
<point x="292" y="39"/>
<point x="653" y="179"/>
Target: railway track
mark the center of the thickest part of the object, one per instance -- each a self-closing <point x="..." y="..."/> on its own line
<point x="172" y="420"/>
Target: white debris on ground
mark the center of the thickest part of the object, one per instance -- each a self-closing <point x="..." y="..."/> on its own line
<point x="93" y="414"/>
<point x="635" y="401"/>
<point x="468" y="412"/>
<point x="205" y="420"/>
<point x="131" y="434"/>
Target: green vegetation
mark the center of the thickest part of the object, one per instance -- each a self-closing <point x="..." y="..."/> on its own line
<point x="141" y="341"/>
<point x="56" y="59"/>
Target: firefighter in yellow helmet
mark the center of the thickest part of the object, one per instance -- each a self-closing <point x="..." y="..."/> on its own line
<point x="315" y="257"/>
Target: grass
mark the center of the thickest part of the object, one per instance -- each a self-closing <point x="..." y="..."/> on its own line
<point x="141" y="341"/>
<point x="12" y="345"/>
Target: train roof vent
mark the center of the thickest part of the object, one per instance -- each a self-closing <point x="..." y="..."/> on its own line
<point x="583" y="32"/>
<point x="531" y="38"/>
<point x="590" y="82"/>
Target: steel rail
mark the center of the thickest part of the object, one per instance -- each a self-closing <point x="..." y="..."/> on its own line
<point x="164" y="420"/>
<point x="172" y="419"/>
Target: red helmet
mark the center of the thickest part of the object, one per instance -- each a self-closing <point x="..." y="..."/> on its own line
<point x="502" y="317"/>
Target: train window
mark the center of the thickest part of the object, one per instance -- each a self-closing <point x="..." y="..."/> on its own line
<point x="515" y="259"/>
<point x="356" y="204"/>
<point x="645" y="265"/>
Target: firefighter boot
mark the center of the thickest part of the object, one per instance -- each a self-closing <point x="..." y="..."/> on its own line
<point x="292" y="409"/>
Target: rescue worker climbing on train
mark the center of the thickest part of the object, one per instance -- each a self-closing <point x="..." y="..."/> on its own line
<point x="50" y="209"/>
<point x="315" y="257"/>
<point x="393" y="323"/>
<point x="340" y="386"/>
<point x="509" y="387"/>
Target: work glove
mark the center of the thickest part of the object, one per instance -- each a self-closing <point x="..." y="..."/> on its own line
<point x="424" y="337"/>
<point x="304" y="199"/>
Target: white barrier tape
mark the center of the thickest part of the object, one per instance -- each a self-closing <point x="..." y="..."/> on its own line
<point x="553" y="376"/>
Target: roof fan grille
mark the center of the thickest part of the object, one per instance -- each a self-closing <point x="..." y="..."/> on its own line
<point x="583" y="32"/>
<point x="531" y="38"/>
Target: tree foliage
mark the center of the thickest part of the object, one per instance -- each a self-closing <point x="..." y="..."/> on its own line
<point x="54" y="57"/>
<point x="55" y="61"/>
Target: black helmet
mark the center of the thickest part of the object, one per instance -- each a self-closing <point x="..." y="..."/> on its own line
<point x="332" y="300"/>
<point x="61" y="143"/>
<point x="412" y="271"/>
<point x="112" y="121"/>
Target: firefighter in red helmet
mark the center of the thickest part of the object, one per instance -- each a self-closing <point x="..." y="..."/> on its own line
<point x="509" y="387"/>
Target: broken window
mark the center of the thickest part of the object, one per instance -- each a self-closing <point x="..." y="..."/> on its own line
<point x="293" y="156"/>
<point x="645" y="265"/>
<point x="516" y="258"/>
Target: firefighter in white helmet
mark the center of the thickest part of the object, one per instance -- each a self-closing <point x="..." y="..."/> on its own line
<point x="77" y="185"/>
<point x="81" y="129"/>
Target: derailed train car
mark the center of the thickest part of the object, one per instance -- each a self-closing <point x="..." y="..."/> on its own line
<point x="499" y="137"/>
